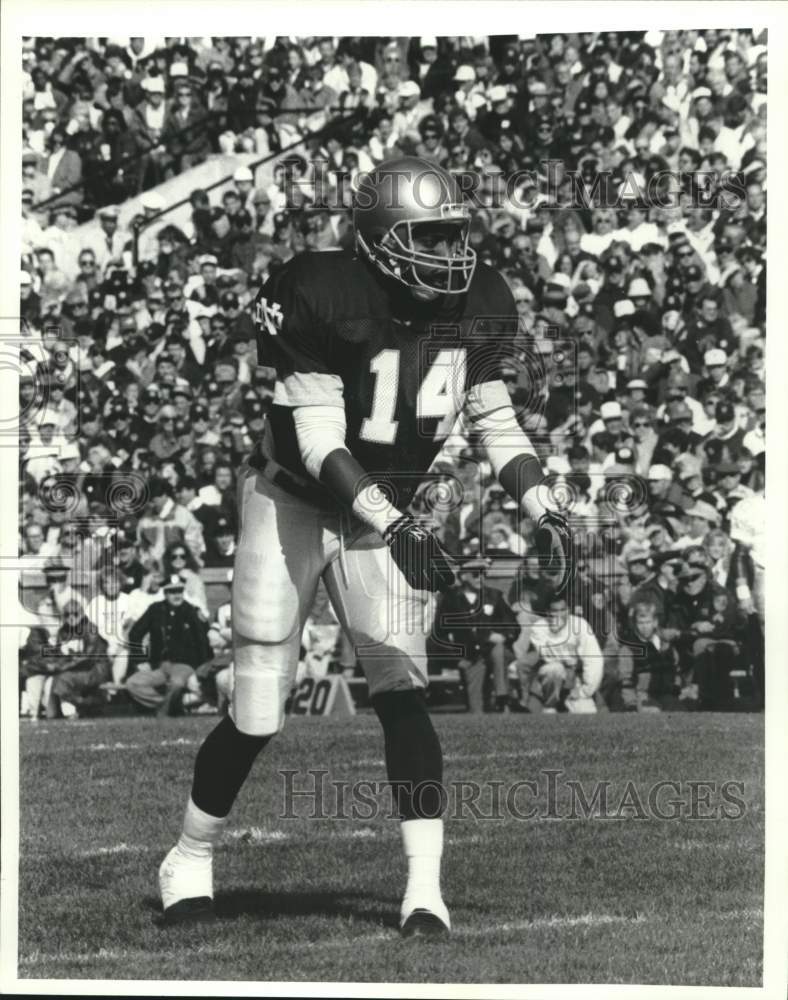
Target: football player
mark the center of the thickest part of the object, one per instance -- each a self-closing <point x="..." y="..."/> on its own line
<point x="377" y="352"/>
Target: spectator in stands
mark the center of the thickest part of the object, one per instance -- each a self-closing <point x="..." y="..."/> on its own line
<point x="221" y="545"/>
<point x="709" y="628"/>
<point x="640" y="667"/>
<point x="475" y="618"/>
<point x="80" y="665"/>
<point x="179" y="561"/>
<point x="166" y="521"/>
<point x="106" y="611"/>
<point x="177" y="646"/>
<point x="562" y="669"/>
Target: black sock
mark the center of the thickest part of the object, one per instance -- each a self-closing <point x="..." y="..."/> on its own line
<point x="414" y="761"/>
<point x="223" y="763"/>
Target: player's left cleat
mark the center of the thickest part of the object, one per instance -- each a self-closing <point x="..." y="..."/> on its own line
<point x="186" y="888"/>
<point x="428" y="918"/>
<point x="424" y="923"/>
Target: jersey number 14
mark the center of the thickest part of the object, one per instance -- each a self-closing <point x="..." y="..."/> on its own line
<point x="440" y="393"/>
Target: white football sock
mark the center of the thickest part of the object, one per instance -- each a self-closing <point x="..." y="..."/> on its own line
<point x="422" y="841"/>
<point x="200" y="832"/>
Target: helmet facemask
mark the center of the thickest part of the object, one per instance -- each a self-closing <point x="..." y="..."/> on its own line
<point x="396" y="255"/>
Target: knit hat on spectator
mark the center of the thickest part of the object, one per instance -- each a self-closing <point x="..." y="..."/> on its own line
<point x="724" y="412"/>
<point x="222" y="526"/>
<point x="677" y="412"/>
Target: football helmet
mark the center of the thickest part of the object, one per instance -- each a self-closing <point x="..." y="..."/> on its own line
<point x="395" y="198"/>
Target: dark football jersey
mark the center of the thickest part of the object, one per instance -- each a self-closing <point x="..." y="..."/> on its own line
<point x="402" y="366"/>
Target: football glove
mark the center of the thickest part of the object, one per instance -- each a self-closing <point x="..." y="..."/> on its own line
<point x="554" y="548"/>
<point x="419" y="555"/>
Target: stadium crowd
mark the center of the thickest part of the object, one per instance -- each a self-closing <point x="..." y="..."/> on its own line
<point x="620" y="187"/>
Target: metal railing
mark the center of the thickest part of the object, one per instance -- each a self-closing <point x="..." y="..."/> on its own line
<point x="353" y="117"/>
<point x="105" y="169"/>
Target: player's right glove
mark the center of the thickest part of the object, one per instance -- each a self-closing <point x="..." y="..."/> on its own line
<point x="554" y="547"/>
<point x="419" y="555"/>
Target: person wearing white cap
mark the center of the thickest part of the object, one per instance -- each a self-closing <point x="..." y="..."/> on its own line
<point x="611" y="417"/>
<point x="465" y="75"/>
<point x="497" y="94"/>
<point x="467" y="89"/>
<point x="639" y="288"/>
<point x="243" y="179"/>
<point x="715" y="361"/>
<point x="108" y="240"/>
<point x="411" y="111"/>
<point x="152" y="203"/>
<point x="148" y="120"/>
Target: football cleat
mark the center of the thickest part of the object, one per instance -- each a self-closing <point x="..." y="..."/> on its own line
<point x="186" y="888"/>
<point x="424" y="923"/>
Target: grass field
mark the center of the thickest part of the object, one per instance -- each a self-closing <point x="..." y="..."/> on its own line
<point x="632" y="899"/>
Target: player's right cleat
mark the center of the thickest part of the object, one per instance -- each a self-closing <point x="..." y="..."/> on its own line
<point x="423" y="923"/>
<point x="186" y="888"/>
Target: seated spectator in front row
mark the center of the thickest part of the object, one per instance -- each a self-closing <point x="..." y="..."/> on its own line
<point x="708" y="627"/>
<point x="177" y="646"/>
<point x="640" y="667"/>
<point x="562" y="668"/>
<point x="476" y="618"/>
<point x="67" y="670"/>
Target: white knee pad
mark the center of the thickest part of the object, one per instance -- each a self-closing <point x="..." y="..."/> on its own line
<point x="263" y="676"/>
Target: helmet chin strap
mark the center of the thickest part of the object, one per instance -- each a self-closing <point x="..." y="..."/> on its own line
<point x="423" y="294"/>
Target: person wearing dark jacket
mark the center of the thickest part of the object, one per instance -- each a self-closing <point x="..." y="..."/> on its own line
<point x="476" y="618"/>
<point x="81" y="664"/>
<point x="640" y="667"/>
<point x="177" y="645"/>
<point x="708" y="629"/>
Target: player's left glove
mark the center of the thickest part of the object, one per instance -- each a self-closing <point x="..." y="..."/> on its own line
<point x="554" y="547"/>
<point x="419" y="555"/>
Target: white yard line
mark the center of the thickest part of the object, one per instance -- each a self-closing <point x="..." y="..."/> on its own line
<point x="255" y="836"/>
<point x="458" y="758"/>
<point x="554" y="922"/>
